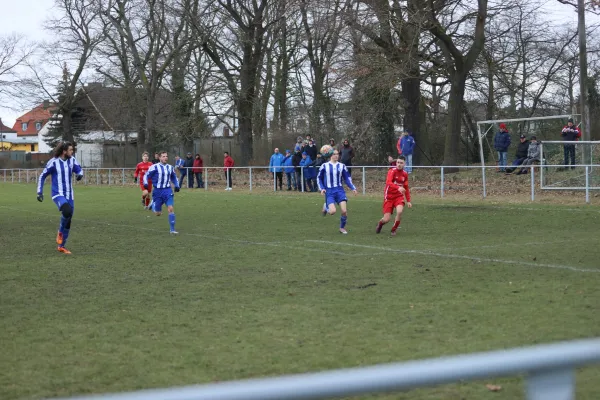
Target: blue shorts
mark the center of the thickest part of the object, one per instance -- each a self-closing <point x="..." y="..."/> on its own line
<point x="60" y="200"/>
<point x="162" y="196"/>
<point x="336" y="195"/>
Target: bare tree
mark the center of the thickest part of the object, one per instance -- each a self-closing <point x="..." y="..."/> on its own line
<point x="237" y="48"/>
<point x="14" y="54"/>
<point x="78" y="33"/>
<point x="153" y="33"/>
<point x="458" y="63"/>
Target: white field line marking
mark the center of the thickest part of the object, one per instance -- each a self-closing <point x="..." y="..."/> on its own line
<point x="444" y="255"/>
<point x="212" y="237"/>
<point x="491" y="246"/>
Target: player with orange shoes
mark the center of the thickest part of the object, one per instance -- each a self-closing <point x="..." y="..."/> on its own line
<point x="140" y="171"/>
<point x="396" y="195"/>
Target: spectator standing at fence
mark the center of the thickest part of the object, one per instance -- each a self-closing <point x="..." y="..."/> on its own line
<point x="311" y="149"/>
<point x="228" y="163"/>
<point x="197" y="170"/>
<point x="276" y="168"/>
<point x="501" y="144"/>
<point x="306" y="165"/>
<point x="533" y="155"/>
<point x="299" y="146"/>
<point x="296" y="159"/>
<point x="406" y="147"/>
<point x="156" y="159"/>
<point x="289" y="170"/>
<point x="309" y="138"/>
<point x="188" y="165"/>
<point x="346" y="155"/>
<point x="521" y="154"/>
<point x="570" y="133"/>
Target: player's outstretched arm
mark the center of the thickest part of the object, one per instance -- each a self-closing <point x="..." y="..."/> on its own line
<point x="50" y="168"/>
<point x="348" y="179"/>
<point x="174" y="180"/>
<point x="407" y="192"/>
<point x="77" y="169"/>
<point x="321" y="179"/>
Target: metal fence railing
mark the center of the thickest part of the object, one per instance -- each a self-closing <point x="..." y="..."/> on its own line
<point x="473" y="180"/>
<point x="549" y="372"/>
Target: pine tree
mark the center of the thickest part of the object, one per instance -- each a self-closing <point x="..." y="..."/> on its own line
<point x="55" y="126"/>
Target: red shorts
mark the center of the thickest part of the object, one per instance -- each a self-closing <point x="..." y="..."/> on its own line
<point x="390" y="205"/>
<point x="149" y="186"/>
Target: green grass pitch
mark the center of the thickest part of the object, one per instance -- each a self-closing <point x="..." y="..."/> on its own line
<point x="262" y="285"/>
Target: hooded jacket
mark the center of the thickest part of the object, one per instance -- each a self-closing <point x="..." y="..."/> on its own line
<point x="534" y="151"/>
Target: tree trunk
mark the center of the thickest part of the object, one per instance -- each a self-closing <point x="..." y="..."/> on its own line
<point x="67" y="124"/>
<point x="453" y="130"/>
<point x="411" y="93"/>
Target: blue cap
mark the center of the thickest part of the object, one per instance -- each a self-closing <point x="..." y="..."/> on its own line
<point x="287" y="151"/>
<point x="304" y="153"/>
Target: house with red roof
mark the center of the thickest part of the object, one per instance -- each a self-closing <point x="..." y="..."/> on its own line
<point x="30" y="123"/>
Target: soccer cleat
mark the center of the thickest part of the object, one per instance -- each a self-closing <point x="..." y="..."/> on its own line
<point x="343" y="231"/>
<point x="379" y="226"/>
<point x="63" y="250"/>
<point x="59" y="238"/>
<point x="393" y="233"/>
<point x="174" y="233"/>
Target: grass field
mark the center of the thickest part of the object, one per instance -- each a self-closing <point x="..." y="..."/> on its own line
<point x="261" y="285"/>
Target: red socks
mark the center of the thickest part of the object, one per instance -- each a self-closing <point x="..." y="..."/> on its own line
<point x="396" y="225"/>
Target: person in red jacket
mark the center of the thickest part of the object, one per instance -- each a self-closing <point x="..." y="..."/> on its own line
<point x="395" y="196"/>
<point x="140" y="171"/>
<point x="570" y="133"/>
<point x="197" y="170"/>
<point x="228" y="163"/>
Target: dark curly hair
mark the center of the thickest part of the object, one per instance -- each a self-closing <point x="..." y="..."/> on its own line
<point x="62" y="147"/>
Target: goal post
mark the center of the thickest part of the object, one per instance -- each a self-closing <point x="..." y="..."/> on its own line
<point x="544" y="128"/>
<point x="570" y="165"/>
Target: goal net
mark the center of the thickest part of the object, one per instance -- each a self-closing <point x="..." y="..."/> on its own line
<point x="547" y="128"/>
<point x="564" y="165"/>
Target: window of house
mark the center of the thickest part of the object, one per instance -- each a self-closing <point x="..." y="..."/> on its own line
<point x="24" y="126"/>
<point x="33" y="147"/>
<point x="38" y="126"/>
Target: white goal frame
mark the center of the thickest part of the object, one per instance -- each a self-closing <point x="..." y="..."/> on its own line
<point x="481" y="134"/>
<point x="588" y="168"/>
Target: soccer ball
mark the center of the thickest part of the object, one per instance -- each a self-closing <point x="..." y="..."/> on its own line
<point x="326" y="150"/>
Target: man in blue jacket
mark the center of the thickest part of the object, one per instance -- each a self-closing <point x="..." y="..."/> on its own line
<point x="501" y="144"/>
<point x="407" y="146"/>
<point x="289" y="170"/>
<point x="275" y="167"/>
<point x="310" y="176"/>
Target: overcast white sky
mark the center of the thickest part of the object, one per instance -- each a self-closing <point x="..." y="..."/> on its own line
<point x="27" y="17"/>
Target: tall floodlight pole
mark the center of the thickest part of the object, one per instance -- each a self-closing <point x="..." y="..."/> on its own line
<point x="583" y="80"/>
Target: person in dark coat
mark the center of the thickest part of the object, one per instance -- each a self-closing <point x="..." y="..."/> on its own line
<point x="296" y="159"/>
<point x="521" y="154"/>
<point x="501" y="144"/>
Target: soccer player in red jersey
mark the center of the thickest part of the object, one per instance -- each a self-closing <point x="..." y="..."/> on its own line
<point x="140" y="171"/>
<point x="396" y="195"/>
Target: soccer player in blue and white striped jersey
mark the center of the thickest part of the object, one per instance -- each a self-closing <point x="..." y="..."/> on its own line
<point x="61" y="168"/>
<point x="162" y="175"/>
<point x="331" y="176"/>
